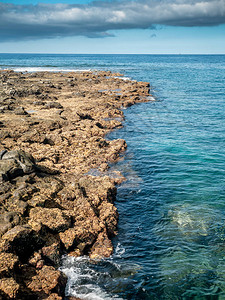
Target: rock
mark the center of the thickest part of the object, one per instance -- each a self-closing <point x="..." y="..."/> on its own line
<point x="39" y="103"/>
<point x="52" y="254"/>
<point x="68" y="238"/>
<point x="8" y="261"/>
<point x="84" y="116"/>
<point x="81" y="237"/>
<point x="15" y="205"/>
<point x="102" y="247"/>
<point x="53" y="105"/>
<point x="53" y="207"/>
<point x="20" y="111"/>
<point x="2" y="153"/>
<point x="48" y="280"/>
<point x="98" y="187"/>
<point x="8" y="288"/>
<point x="8" y="220"/>
<point x="24" y="159"/>
<point x="109" y="214"/>
<point x="21" y="240"/>
<point x="15" y="163"/>
<point x="35" y="258"/>
<point x="10" y="169"/>
<point x="52" y="218"/>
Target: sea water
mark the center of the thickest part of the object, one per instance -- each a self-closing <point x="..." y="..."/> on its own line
<point x="171" y="232"/>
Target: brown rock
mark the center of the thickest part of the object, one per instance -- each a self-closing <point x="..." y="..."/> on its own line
<point x="8" y="220"/>
<point x="9" y="288"/>
<point x="53" y="218"/>
<point x="48" y="280"/>
<point x="102" y="247"/>
<point x="21" y="240"/>
<point x="7" y="263"/>
<point x="52" y="254"/>
<point x="80" y="236"/>
<point x="109" y="214"/>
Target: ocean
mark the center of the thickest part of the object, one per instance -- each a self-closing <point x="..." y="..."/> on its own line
<point x="171" y="232"/>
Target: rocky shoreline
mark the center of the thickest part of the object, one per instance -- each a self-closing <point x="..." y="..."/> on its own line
<point x="52" y="133"/>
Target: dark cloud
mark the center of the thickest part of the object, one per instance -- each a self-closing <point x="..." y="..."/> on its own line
<point x="98" y="18"/>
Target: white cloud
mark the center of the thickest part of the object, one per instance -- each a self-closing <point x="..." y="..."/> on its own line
<point x="97" y="18"/>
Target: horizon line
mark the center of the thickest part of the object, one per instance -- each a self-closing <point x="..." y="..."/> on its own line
<point x="41" y="53"/>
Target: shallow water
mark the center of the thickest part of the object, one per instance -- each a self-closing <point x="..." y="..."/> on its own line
<point x="171" y="241"/>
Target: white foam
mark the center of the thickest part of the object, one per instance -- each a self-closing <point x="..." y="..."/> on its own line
<point x="120" y="250"/>
<point x="83" y="280"/>
<point x="123" y="78"/>
<point x="150" y="98"/>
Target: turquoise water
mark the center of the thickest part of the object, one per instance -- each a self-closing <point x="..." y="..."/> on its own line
<point x="171" y="241"/>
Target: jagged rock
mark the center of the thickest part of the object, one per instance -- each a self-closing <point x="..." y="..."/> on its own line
<point x="35" y="258"/>
<point x="109" y="214"/>
<point x="102" y="247"/>
<point x="8" y="220"/>
<point x="10" y="169"/>
<point x="8" y="261"/>
<point x="81" y="236"/>
<point x="20" y="111"/>
<point x="53" y="105"/>
<point x="98" y="188"/>
<point x="52" y="253"/>
<point x="8" y="288"/>
<point x="52" y="218"/>
<point x="16" y="163"/>
<point x="21" y="240"/>
<point x="48" y="281"/>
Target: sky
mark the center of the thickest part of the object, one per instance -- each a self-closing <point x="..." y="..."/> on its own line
<point x="113" y="26"/>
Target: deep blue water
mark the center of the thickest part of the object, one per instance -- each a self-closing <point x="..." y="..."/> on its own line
<point x="171" y="241"/>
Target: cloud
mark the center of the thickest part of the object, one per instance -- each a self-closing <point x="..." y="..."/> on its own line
<point x="98" y="18"/>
